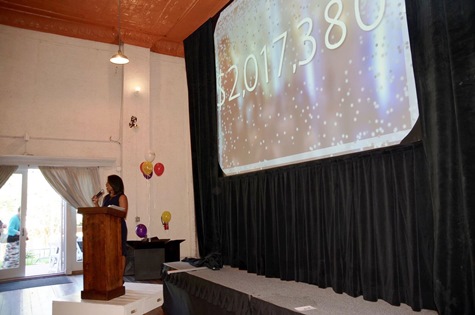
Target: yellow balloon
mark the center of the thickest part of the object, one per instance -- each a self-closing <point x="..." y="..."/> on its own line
<point x="166" y="216"/>
<point x="147" y="168"/>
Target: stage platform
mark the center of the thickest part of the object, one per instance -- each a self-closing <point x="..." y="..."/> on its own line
<point x="189" y="290"/>
<point x="139" y="299"/>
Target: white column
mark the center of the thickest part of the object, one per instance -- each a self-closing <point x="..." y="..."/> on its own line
<point x="136" y="140"/>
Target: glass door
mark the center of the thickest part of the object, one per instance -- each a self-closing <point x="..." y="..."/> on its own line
<point x="40" y="248"/>
<point x="45" y="225"/>
<point x="12" y="214"/>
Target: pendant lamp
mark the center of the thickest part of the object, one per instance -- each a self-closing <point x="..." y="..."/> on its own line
<point x="119" y="58"/>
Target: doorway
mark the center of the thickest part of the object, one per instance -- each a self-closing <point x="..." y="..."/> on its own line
<point x="41" y="211"/>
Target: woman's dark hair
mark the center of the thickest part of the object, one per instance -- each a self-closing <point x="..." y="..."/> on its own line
<point x="116" y="184"/>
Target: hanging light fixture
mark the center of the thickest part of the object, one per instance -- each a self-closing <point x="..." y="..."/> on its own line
<point x="119" y="58"/>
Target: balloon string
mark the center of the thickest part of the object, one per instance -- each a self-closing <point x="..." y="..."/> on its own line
<point x="149" y="201"/>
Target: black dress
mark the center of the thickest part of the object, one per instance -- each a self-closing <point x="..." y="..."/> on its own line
<point x="108" y="201"/>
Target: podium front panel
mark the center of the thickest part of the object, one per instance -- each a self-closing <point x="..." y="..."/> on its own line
<point x="102" y="255"/>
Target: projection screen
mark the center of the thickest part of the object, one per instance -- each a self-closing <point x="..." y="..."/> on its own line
<point x="304" y="80"/>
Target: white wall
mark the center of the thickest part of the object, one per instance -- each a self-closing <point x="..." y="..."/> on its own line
<point x="61" y="97"/>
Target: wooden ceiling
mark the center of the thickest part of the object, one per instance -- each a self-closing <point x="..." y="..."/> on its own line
<point x="160" y="25"/>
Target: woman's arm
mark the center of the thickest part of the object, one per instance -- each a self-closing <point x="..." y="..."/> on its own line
<point x="124" y="203"/>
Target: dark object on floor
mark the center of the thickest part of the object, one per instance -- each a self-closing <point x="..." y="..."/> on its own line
<point x="213" y="261"/>
<point x="32" y="283"/>
<point x="145" y="259"/>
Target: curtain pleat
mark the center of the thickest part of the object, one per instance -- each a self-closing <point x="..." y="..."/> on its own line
<point x="75" y="184"/>
<point x="5" y="172"/>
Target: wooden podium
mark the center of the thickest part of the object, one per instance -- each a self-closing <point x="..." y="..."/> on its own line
<point x="102" y="253"/>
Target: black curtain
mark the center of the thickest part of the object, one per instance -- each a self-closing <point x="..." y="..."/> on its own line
<point x="442" y="36"/>
<point x="393" y="224"/>
<point x="201" y="77"/>
<point x="361" y="225"/>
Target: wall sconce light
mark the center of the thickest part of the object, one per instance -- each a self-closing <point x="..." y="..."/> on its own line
<point x="133" y="122"/>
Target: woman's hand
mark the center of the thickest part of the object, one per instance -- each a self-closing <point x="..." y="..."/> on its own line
<point x="95" y="200"/>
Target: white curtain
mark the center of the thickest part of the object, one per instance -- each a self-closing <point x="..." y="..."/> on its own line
<point x="75" y="184"/>
<point x="5" y="172"/>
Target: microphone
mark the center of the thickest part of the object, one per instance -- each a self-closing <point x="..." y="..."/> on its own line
<point x="100" y="193"/>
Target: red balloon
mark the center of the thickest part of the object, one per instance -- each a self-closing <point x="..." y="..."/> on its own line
<point x="159" y="169"/>
<point x="141" y="165"/>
